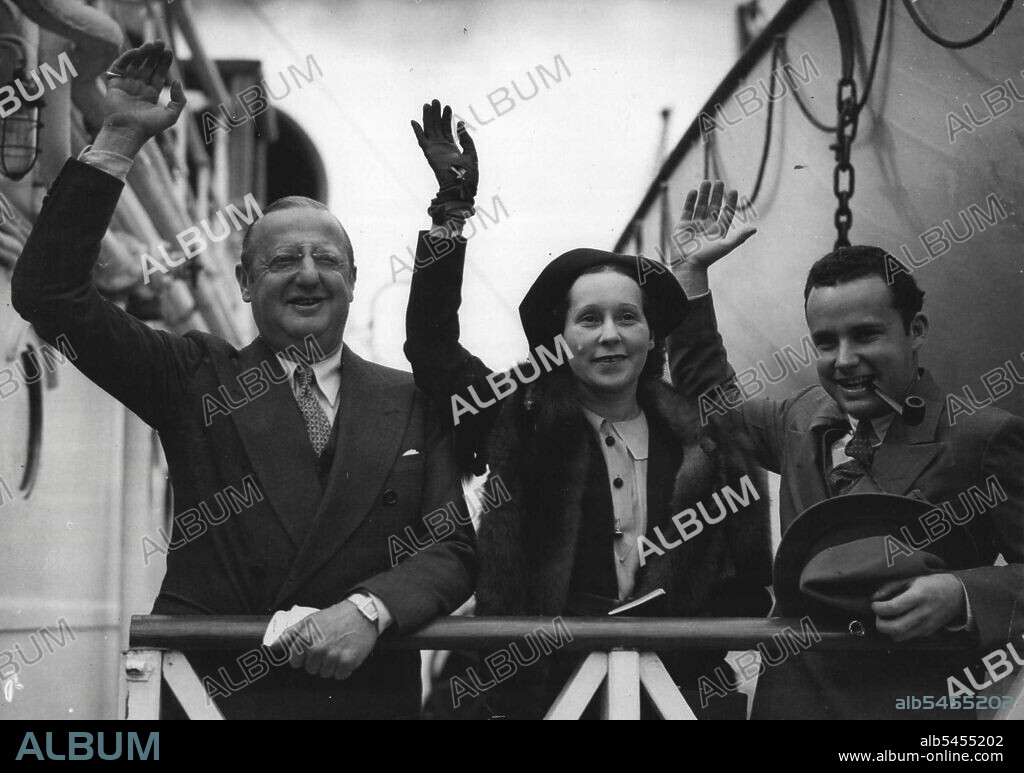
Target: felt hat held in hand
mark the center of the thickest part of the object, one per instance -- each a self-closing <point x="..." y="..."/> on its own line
<point x="837" y="553"/>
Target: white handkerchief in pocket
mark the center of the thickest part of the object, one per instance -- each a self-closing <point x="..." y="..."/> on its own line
<point x="411" y="452"/>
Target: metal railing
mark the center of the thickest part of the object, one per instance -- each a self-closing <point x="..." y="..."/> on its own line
<point x="621" y="655"/>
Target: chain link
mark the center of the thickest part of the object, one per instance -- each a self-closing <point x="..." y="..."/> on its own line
<point x="843" y="176"/>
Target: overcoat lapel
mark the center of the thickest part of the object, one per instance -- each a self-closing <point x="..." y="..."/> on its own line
<point x="274" y="435"/>
<point x="807" y="486"/>
<point x="663" y="460"/>
<point x="371" y="422"/>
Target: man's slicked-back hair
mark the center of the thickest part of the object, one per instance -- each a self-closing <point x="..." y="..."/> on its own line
<point x="288" y="202"/>
<point x="846" y="264"/>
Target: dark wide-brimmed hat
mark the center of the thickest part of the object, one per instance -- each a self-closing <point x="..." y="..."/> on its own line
<point x="537" y="311"/>
<point x="837" y="553"/>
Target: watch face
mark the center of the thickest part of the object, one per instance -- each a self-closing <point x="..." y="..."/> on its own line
<point x="369" y="609"/>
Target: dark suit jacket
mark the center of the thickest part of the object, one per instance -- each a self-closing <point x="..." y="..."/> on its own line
<point x="295" y="543"/>
<point x="935" y="461"/>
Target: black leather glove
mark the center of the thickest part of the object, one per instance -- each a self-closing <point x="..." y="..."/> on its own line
<point x="456" y="170"/>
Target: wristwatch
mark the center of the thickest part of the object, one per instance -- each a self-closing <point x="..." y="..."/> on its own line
<point x="367" y="606"/>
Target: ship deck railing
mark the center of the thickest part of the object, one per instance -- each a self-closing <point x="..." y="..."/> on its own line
<point x="621" y="660"/>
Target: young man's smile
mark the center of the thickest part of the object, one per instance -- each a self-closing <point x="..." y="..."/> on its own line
<point x="863" y="342"/>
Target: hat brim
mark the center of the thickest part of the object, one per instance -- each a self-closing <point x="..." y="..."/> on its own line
<point x="836" y="553"/>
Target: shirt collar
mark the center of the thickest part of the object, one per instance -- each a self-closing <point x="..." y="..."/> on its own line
<point x="880" y="425"/>
<point x="327" y="372"/>
<point x="634" y="433"/>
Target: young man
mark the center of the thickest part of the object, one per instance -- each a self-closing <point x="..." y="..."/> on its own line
<point x="345" y="454"/>
<point x="842" y="438"/>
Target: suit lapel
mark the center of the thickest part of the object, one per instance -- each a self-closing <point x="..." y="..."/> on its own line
<point x="274" y="436"/>
<point x="372" y="416"/>
<point x="907" y="451"/>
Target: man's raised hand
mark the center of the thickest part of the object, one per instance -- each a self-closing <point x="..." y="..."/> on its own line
<point x="456" y="170"/>
<point x="702" y="235"/>
<point x="131" y="112"/>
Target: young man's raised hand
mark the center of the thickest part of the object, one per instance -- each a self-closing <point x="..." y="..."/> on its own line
<point x="702" y="236"/>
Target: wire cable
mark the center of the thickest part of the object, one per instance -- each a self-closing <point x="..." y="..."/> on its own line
<point x="769" y="119"/>
<point x="883" y="12"/>
<point x="946" y="42"/>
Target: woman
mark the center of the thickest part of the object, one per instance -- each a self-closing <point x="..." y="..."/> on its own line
<point x="597" y="453"/>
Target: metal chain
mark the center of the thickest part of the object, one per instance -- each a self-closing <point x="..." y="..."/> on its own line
<point x="847" y="111"/>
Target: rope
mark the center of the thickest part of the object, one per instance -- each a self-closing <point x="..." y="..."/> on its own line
<point x="946" y="42"/>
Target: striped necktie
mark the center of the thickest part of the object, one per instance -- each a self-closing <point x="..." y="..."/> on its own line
<point x="317" y="425"/>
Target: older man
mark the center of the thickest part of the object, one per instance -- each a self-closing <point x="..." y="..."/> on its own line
<point x="342" y="455"/>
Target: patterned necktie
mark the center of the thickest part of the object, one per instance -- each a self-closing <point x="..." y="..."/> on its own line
<point x="861" y="450"/>
<point x="862" y="445"/>
<point x="317" y="425"/>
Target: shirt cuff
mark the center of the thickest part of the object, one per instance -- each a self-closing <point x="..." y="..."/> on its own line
<point x="107" y="161"/>
<point x="970" y="625"/>
<point x="384" y="618"/>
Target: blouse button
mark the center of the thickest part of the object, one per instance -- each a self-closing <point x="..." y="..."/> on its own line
<point x="617" y="483"/>
<point x="609" y="441"/>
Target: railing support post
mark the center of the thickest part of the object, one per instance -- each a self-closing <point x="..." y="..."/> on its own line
<point x="187" y="688"/>
<point x="142" y="670"/>
<point x="622" y="691"/>
<point x="665" y="696"/>
<point x="572" y="701"/>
